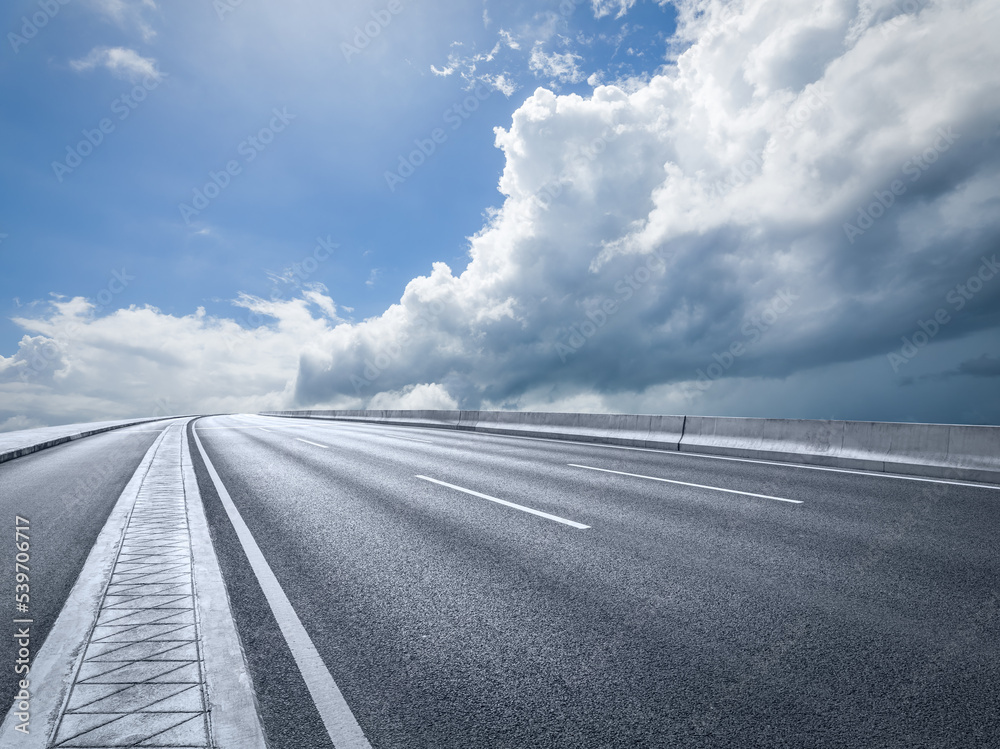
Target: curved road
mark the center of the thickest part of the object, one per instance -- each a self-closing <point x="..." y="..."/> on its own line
<point x="708" y="602"/>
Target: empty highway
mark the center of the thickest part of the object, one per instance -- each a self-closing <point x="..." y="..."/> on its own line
<point x="473" y="590"/>
<point x="467" y="590"/>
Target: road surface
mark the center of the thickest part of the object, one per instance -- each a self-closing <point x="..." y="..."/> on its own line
<point x="472" y="590"/>
<point x="863" y="612"/>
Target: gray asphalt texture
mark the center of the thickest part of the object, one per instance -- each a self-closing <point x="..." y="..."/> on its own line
<point x="67" y="493"/>
<point x="865" y="617"/>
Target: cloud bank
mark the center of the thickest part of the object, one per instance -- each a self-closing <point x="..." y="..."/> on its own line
<point x="796" y="193"/>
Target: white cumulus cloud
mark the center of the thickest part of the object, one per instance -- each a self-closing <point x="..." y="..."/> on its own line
<point x="789" y="198"/>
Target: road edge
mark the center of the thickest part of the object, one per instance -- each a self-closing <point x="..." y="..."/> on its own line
<point x="56" y="663"/>
<point x="229" y="684"/>
<point x="31" y="449"/>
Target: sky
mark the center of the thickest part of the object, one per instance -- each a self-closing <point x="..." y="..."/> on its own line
<point x="758" y="208"/>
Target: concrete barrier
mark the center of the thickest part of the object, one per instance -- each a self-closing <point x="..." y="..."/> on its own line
<point x="970" y="453"/>
<point x="662" y="432"/>
<point x="960" y="452"/>
<point x="19" y="452"/>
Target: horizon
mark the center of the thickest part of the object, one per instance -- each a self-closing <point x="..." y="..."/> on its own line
<point x="605" y="206"/>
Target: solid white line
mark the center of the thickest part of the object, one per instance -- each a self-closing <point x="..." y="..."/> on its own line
<point x="340" y="722"/>
<point x="263" y="429"/>
<point x="325" y="447"/>
<point x="208" y="429"/>
<point x="411" y="439"/>
<point x="504" y="502"/>
<point x="275" y="426"/>
<point x="234" y="716"/>
<point x="685" y="483"/>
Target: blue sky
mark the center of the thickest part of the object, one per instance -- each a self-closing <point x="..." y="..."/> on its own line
<point x="754" y="208"/>
<point x="322" y="177"/>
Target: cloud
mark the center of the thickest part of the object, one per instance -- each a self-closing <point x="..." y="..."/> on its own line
<point x="469" y="66"/>
<point x="77" y="366"/>
<point x="607" y="7"/>
<point x="128" y="14"/>
<point x="503" y="84"/>
<point x="984" y="366"/>
<point x="740" y="166"/>
<point x="557" y="66"/>
<point x="757" y="226"/>
<point x="123" y="63"/>
<point x="508" y="39"/>
<point x="424" y="396"/>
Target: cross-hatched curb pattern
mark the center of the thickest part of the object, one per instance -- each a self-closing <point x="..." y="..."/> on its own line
<point x="141" y="682"/>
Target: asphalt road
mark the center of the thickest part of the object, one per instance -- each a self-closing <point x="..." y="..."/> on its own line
<point x="862" y="613"/>
<point x="66" y="492"/>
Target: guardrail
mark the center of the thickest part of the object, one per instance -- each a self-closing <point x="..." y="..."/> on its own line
<point x="953" y="451"/>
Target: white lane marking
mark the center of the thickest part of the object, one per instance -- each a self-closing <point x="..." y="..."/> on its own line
<point x="341" y="725"/>
<point x="263" y="429"/>
<point x="686" y="483"/>
<point x="411" y="439"/>
<point x="682" y="453"/>
<point x="504" y="502"/>
<point x="274" y="426"/>
<point x="325" y="447"/>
